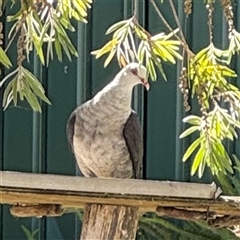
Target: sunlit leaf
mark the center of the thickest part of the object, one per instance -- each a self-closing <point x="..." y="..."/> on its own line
<point x="192" y="119"/>
<point x="58" y="49"/>
<point x="191" y="148"/>
<point x="106" y="48"/>
<point x="8" y="94"/>
<point x="109" y="58"/>
<point x="198" y="159"/>
<point x="189" y="131"/>
<point x="151" y="69"/>
<point x="4" y="59"/>
<point x="116" y="26"/>
<point x="35" y="85"/>
<point x="32" y="99"/>
<point x="14" y="91"/>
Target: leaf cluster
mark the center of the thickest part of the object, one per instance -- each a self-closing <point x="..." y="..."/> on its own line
<point x="151" y="51"/>
<point x="41" y="26"/>
<point x="47" y="22"/>
<point x="209" y="149"/>
<point x="219" y="100"/>
<point x="209" y="80"/>
<point x="209" y="73"/>
<point x="24" y="85"/>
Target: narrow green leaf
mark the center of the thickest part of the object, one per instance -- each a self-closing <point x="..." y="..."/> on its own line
<point x="109" y="58"/>
<point x="189" y="131"/>
<point x="116" y="26"/>
<point x="8" y="76"/>
<point x="30" y="235"/>
<point x="197" y="159"/>
<point x="32" y="100"/>
<point x="35" y="85"/>
<point x="58" y="49"/>
<point x="191" y="148"/>
<point x="160" y="68"/>
<point x="4" y="59"/>
<point x="15" y="90"/>
<point x="7" y="92"/>
<point x="105" y="49"/>
<point x="201" y="167"/>
<point x="141" y="52"/>
<point x="201" y="54"/>
<point x="151" y="69"/>
<point x="192" y="119"/>
<point x="164" y="54"/>
<point x="39" y="50"/>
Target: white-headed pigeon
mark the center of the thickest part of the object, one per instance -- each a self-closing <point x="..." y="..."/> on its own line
<point x="105" y="134"/>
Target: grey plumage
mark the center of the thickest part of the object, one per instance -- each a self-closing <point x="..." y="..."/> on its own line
<point x="105" y="134"/>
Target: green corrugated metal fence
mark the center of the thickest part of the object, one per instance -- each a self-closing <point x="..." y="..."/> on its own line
<point x="33" y="142"/>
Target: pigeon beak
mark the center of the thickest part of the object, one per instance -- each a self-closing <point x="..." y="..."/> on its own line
<point x="146" y="85"/>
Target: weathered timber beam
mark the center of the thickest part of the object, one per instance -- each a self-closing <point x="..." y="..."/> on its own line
<point x="75" y="192"/>
<point x="108" y="185"/>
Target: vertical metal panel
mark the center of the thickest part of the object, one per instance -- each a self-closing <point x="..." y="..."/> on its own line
<point x="38" y="150"/>
<point x="84" y="62"/>
<point x="100" y="23"/>
<point x="180" y="112"/>
<point x="161" y="108"/>
<point x="61" y="84"/>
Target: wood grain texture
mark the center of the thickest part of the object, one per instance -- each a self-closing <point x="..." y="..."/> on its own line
<point x="111" y="222"/>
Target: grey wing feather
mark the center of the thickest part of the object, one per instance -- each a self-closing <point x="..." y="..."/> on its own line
<point x="70" y="133"/>
<point x="134" y="140"/>
<point x="70" y="129"/>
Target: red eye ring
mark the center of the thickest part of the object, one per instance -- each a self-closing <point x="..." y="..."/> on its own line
<point x="134" y="71"/>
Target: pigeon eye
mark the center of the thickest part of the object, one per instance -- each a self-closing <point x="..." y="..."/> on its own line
<point x="134" y="71"/>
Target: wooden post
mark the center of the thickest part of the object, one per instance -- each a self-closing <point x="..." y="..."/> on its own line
<point x="110" y="222"/>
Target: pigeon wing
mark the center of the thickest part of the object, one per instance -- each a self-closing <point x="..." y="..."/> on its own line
<point x="134" y="140"/>
<point x="70" y="129"/>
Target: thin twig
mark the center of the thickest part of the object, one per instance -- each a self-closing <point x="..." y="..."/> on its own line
<point x="135" y="7"/>
<point x="177" y="20"/>
<point x="210" y="9"/>
<point x="162" y="18"/>
<point x="182" y="40"/>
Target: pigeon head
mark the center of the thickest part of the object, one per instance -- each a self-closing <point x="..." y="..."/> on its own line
<point x="134" y="74"/>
